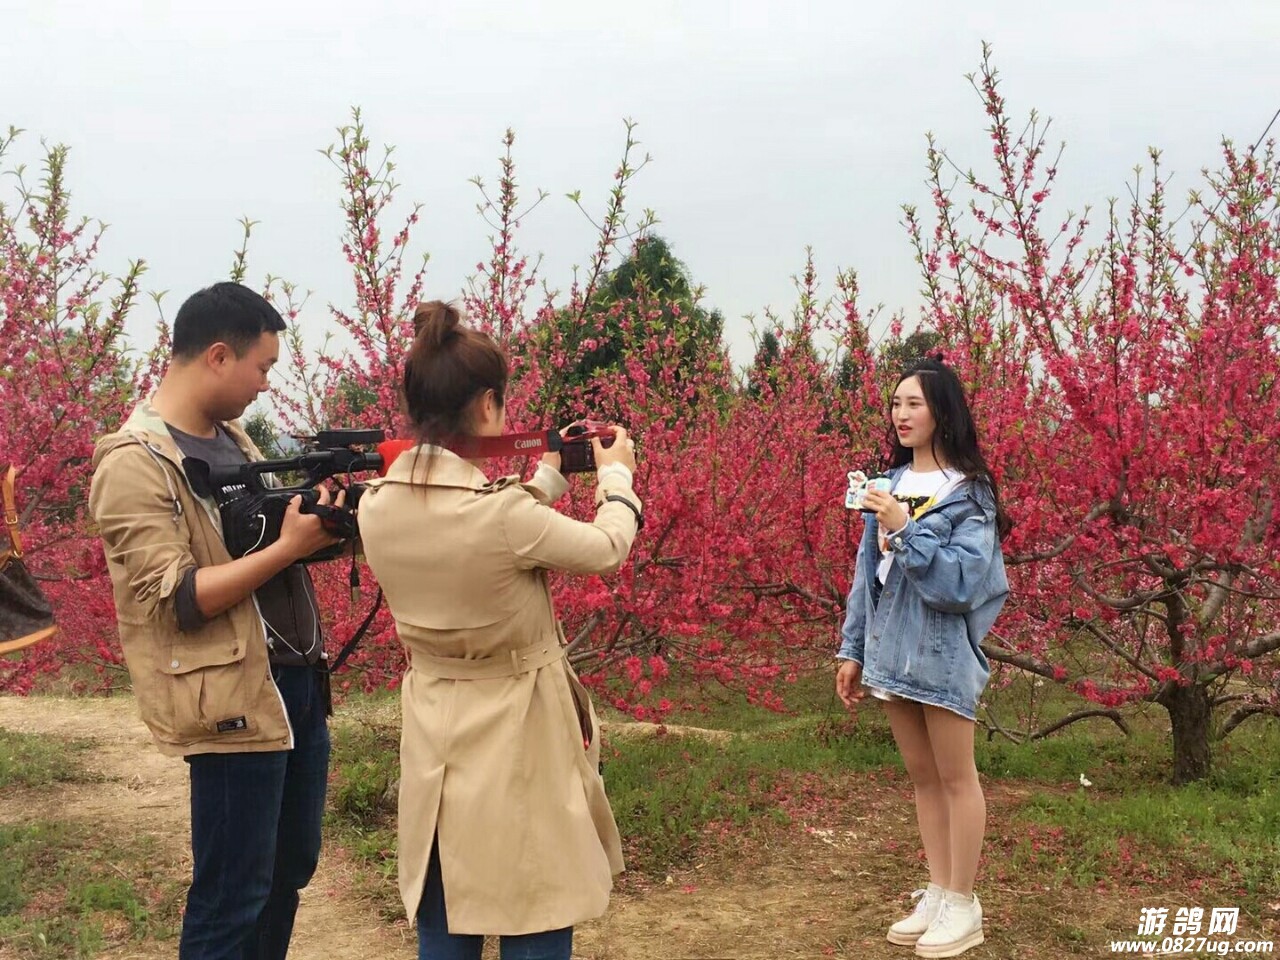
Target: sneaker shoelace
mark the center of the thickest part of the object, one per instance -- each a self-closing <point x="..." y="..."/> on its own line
<point x="922" y="899"/>
<point x="943" y="913"/>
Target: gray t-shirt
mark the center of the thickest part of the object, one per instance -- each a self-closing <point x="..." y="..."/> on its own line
<point x="287" y="601"/>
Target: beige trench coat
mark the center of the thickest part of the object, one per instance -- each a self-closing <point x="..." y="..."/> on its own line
<point x="492" y="751"/>
<point x="209" y="690"/>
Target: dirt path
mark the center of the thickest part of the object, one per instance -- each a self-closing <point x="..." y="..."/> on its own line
<point x="823" y="888"/>
<point x="788" y="902"/>
<point x="145" y="792"/>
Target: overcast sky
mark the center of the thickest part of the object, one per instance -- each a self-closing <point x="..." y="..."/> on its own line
<point x="772" y="124"/>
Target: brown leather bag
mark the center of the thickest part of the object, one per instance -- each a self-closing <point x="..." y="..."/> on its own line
<point x="25" y="614"/>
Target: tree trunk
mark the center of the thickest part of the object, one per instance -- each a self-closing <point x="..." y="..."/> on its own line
<point x="1189" y="711"/>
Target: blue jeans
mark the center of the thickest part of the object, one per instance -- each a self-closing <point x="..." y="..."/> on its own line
<point x="255" y="833"/>
<point x="435" y="942"/>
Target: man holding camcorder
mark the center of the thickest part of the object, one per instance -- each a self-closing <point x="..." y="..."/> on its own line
<point x="226" y="656"/>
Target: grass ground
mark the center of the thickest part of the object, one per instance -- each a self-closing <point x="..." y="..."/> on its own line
<point x="69" y="887"/>
<point x="748" y="834"/>
<point x="731" y="791"/>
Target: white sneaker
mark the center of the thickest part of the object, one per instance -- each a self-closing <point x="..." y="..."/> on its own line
<point x="909" y="929"/>
<point x="956" y="928"/>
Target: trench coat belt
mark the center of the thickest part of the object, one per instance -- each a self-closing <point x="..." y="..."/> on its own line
<point x="510" y="664"/>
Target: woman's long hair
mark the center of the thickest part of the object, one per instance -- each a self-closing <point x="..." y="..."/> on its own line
<point x="955" y="438"/>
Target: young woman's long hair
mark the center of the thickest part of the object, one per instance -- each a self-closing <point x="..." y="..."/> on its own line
<point x="955" y="438"/>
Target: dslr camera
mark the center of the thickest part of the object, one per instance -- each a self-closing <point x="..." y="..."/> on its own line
<point x="576" y="452"/>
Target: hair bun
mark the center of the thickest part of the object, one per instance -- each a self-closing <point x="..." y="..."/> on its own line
<point x="435" y="323"/>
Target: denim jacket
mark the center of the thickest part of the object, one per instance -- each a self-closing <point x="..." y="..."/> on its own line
<point x="919" y="636"/>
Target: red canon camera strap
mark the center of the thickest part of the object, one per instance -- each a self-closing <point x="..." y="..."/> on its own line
<point x="508" y="445"/>
<point x="535" y="443"/>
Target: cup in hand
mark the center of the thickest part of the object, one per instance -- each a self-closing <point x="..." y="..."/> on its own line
<point x="859" y="484"/>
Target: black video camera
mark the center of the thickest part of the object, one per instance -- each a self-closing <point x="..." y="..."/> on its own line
<point x="252" y="504"/>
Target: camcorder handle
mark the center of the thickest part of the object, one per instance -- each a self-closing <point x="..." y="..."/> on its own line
<point x="339" y="521"/>
<point x="317" y="465"/>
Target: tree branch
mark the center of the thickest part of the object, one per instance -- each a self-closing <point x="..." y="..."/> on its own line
<point x="993" y="727"/>
<point x="1119" y="651"/>
<point x="1020" y="660"/>
<point x="1261" y="646"/>
<point x="1119" y="603"/>
<point x="1062" y="547"/>
<point x="1241" y="714"/>
<point x="1112" y="715"/>
<point x="788" y="588"/>
<point x="584" y="632"/>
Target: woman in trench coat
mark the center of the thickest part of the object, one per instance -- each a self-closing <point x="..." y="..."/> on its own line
<point x="504" y="827"/>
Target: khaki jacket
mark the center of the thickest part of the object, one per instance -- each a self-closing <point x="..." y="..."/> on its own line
<point x="209" y="691"/>
<point x="493" y="760"/>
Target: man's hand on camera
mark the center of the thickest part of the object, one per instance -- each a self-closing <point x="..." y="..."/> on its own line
<point x="302" y="534"/>
<point x="622" y="450"/>
<point x="222" y="586"/>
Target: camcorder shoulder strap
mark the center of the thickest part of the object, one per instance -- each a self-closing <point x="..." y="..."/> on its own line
<point x="350" y="646"/>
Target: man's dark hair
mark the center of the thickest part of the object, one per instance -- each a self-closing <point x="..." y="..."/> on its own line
<point x="227" y="313"/>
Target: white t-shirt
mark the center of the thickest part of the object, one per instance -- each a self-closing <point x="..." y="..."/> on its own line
<point x="929" y="488"/>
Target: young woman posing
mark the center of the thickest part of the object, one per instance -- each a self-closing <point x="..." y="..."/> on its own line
<point x="928" y="583"/>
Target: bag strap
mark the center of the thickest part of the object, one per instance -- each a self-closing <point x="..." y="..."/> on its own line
<point x="11" y="512"/>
